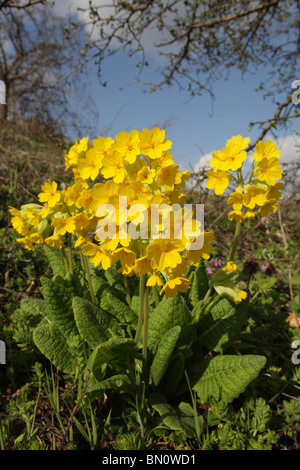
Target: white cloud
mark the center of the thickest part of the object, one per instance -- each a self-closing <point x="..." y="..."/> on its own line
<point x="290" y="148"/>
<point x="203" y="162"/>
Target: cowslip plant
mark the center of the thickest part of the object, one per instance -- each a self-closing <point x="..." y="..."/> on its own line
<point x="145" y="303"/>
<point x="257" y="195"/>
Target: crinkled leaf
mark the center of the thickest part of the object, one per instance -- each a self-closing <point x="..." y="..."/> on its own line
<point x="94" y="324"/>
<point x="118" y="309"/>
<point x="56" y="260"/>
<point x="220" y="323"/>
<point x="117" y="353"/>
<point x="58" y="299"/>
<point x="53" y="345"/>
<point x="170" y="313"/>
<point x="163" y="354"/>
<point x="177" y="419"/>
<point x="224" y="377"/>
<point x="200" y="283"/>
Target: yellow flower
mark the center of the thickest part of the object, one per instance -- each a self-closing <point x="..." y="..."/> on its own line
<point x="231" y="267"/>
<point x="90" y="165"/>
<point x="102" y="146"/>
<point x="96" y="255"/>
<point x="49" y="194"/>
<point x="54" y="240"/>
<point x="146" y="175"/>
<point x="85" y="200"/>
<point x="113" y="167"/>
<point x="63" y="225"/>
<point x="72" y="194"/>
<point x="26" y="242"/>
<point x="218" y="180"/>
<point x="166" y="176"/>
<point x="242" y="295"/>
<point x="153" y="143"/>
<point x="254" y="195"/>
<point x="128" y="145"/>
<point x="267" y="150"/>
<point x="126" y="257"/>
<point x="154" y="280"/>
<point x="194" y="256"/>
<point x="37" y="238"/>
<point x="236" y="199"/>
<point x="20" y="225"/>
<point x="181" y="178"/>
<point x="232" y="156"/>
<point x="75" y="151"/>
<point x="269" y="207"/>
<point x="164" y="253"/>
<point x="171" y="287"/>
<point x="249" y="215"/>
<point x="103" y="193"/>
<point x="268" y="170"/>
<point x="142" y="266"/>
<point x="82" y="223"/>
<point x="236" y="215"/>
<point x="273" y="191"/>
<point x="239" y="141"/>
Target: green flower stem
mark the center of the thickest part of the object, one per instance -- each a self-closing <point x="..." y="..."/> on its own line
<point x="235" y="240"/>
<point x="156" y="297"/>
<point x="64" y="254"/>
<point x="143" y="280"/>
<point x="70" y="253"/>
<point x="88" y="276"/>
<point x="128" y="298"/>
<point x="145" y="335"/>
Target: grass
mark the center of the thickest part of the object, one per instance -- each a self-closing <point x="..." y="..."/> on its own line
<point x="41" y="408"/>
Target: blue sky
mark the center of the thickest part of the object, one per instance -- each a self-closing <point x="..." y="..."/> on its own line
<point x="195" y="127"/>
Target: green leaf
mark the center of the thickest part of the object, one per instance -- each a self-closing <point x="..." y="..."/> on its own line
<point x="52" y="344"/>
<point x="118" y="309"/>
<point x="170" y="313"/>
<point x="94" y="324"/>
<point x="58" y="300"/>
<point x="174" y="374"/>
<point x="117" y="353"/>
<point x="33" y="306"/>
<point x="200" y="283"/>
<point x="113" y="383"/>
<point x="220" y="323"/>
<point x="163" y="354"/>
<point x="225" y="377"/>
<point x="180" y="419"/>
<point x="56" y="260"/>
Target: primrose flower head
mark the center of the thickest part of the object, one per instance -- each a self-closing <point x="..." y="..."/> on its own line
<point x="261" y="192"/>
<point x="124" y="207"/>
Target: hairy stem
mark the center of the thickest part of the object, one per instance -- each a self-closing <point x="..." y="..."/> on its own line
<point x="70" y="253"/>
<point x="143" y="279"/>
<point x="88" y="275"/>
<point x="145" y="335"/>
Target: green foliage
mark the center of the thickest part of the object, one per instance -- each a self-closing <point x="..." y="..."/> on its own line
<point x="225" y="377"/>
<point x="76" y="335"/>
<point x="237" y="359"/>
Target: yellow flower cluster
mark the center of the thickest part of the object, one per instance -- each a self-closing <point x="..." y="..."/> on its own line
<point x="117" y="183"/>
<point x="262" y="189"/>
